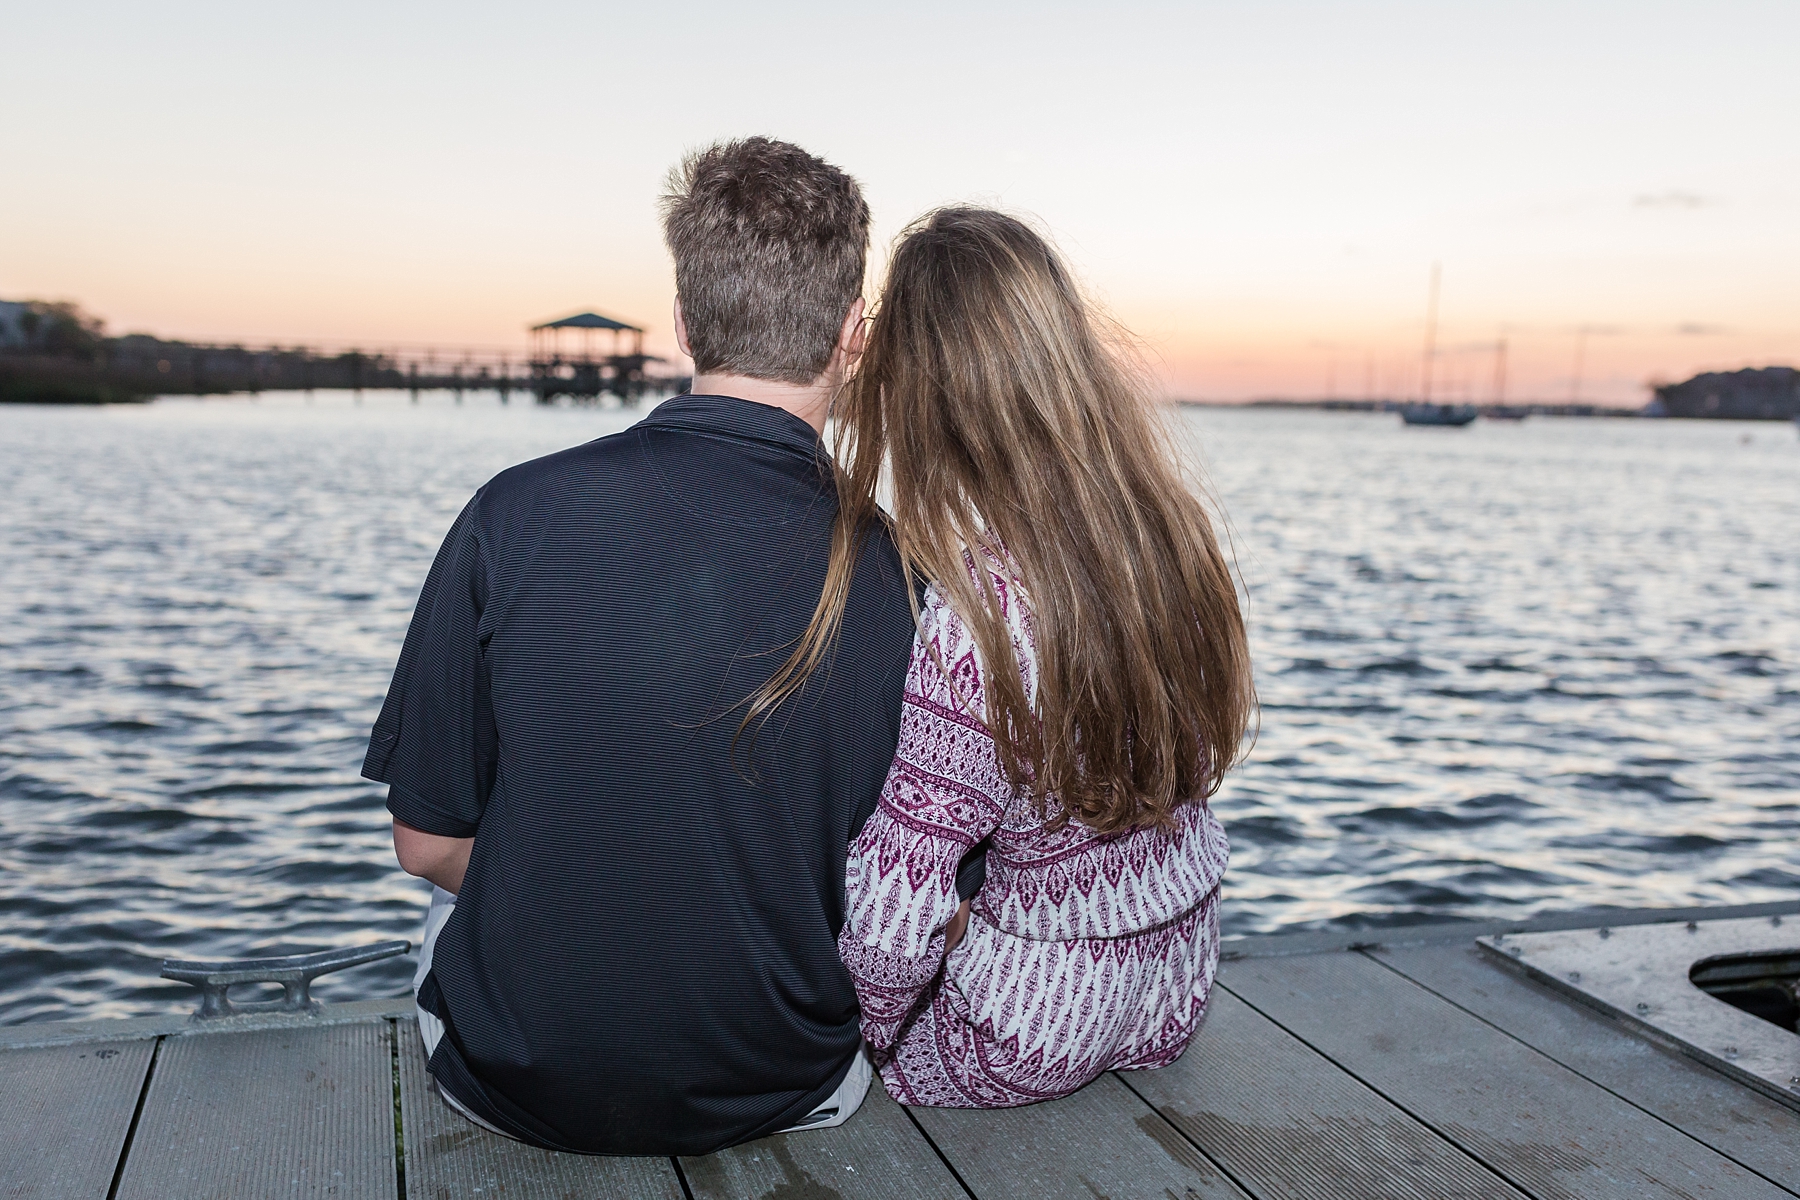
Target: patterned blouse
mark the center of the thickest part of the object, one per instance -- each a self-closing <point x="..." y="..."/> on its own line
<point x="1084" y="952"/>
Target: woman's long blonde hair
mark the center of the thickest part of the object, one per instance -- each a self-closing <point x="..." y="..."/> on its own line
<point x="1011" y="427"/>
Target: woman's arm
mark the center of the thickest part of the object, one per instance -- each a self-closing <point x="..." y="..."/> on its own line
<point x="443" y="860"/>
<point x="944" y="793"/>
<point x="904" y="914"/>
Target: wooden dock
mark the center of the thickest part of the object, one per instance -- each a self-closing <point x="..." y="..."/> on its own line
<point x="1409" y="1066"/>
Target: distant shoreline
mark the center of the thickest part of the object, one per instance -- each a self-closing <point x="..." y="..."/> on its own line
<point x="1749" y="394"/>
<point x="1536" y="408"/>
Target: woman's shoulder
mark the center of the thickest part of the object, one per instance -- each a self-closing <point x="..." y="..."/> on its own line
<point x="938" y="617"/>
<point x="944" y="633"/>
<point x="986" y="570"/>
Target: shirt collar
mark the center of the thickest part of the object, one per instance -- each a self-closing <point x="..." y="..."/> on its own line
<point x="734" y="417"/>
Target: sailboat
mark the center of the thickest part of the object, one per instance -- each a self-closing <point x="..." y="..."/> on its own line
<point x="1438" y="414"/>
<point x="1500" y="410"/>
<point x="1424" y="412"/>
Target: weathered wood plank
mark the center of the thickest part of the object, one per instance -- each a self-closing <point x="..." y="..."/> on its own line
<point x="1738" y="1122"/>
<point x="64" y="1114"/>
<point x="876" y="1155"/>
<point x="280" y="1113"/>
<point x="1102" y="1141"/>
<point x="1526" y="1117"/>
<point x="448" y="1155"/>
<point x="1286" y="1122"/>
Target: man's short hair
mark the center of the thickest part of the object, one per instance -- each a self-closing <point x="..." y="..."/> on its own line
<point x="769" y="245"/>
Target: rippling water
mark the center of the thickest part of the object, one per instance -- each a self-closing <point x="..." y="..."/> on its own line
<point x="1504" y="669"/>
<point x="1514" y="667"/>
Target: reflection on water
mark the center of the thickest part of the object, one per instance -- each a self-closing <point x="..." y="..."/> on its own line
<point x="1504" y="669"/>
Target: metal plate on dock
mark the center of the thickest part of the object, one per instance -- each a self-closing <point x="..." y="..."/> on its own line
<point x="1643" y="976"/>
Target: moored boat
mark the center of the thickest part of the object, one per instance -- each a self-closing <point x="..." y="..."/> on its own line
<point x="1438" y="414"/>
<point x="1422" y="411"/>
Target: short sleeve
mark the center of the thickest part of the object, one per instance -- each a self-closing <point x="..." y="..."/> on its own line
<point x="435" y="743"/>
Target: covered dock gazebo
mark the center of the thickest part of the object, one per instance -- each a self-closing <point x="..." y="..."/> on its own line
<point x="584" y="370"/>
<point x="547" y="339"/>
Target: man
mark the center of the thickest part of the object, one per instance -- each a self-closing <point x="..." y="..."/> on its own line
<point x="631" y="948"/>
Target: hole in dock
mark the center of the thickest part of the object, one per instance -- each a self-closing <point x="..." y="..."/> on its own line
<point x="1763" y="985"/>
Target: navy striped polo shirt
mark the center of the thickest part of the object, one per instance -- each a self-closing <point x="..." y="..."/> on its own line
<point x="643" y="956"/>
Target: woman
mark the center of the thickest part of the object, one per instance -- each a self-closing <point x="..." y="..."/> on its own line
<point x="1079" y="684"/>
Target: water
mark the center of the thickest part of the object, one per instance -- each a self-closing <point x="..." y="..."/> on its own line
<point x="1513" y="668"/>
<point x="1504" y="670"/>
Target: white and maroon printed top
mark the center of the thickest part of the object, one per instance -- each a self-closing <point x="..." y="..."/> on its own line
<point x="1084" y="952"/>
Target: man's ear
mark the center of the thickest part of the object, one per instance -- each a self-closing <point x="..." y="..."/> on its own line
<point x="681" y="337"/>
<point x="853" y="337"/>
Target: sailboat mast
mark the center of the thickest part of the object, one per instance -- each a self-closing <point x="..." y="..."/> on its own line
<point x="1431" y="318"/>
<point x="1500" y="370"/>
<point x="1580" y="357"/>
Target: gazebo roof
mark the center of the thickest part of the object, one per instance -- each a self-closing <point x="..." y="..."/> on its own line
<point x="587" y="320"/>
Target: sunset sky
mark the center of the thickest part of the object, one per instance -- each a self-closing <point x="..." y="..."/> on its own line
<point x="1257" y="190"/>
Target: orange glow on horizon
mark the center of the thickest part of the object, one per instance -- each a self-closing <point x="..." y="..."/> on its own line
<point x="1256" y="192"/>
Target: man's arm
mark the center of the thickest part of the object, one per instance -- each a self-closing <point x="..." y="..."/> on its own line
<point x="434" y="744"/>
<point x="443" y="860"/>
<point x="959" y="925"/>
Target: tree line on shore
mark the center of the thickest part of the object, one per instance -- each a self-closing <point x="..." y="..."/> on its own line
<point x="53" y="352"/>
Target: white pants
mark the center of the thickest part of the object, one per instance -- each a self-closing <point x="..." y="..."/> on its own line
<point x="837" y="1108"/>
<point x="431" y="1029"/>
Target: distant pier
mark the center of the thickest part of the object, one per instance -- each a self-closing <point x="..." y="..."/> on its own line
<point x="582" y="358"/>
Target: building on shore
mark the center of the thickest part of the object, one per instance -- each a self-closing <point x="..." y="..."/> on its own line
<point x="1766" y="394"/>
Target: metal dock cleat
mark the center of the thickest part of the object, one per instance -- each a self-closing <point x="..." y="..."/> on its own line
<point x="294" y="972"/>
